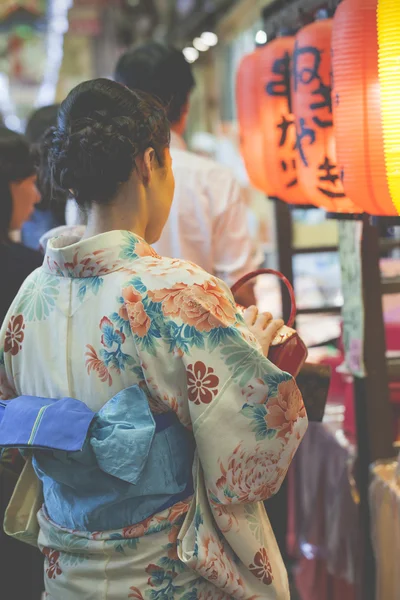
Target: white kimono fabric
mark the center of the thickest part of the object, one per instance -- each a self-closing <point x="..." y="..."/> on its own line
<point x="107" y="313"/>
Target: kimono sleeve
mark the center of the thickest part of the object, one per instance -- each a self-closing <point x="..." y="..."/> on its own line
<point x="201" y="360"/>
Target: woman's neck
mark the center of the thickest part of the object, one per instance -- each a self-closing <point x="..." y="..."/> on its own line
<point x="101" y="220"/>
<point x="127" y="211"/>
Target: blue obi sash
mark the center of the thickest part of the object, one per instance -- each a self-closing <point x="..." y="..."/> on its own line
<point x="104" y="470"/>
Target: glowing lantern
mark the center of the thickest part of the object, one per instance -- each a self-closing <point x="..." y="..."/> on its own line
<point x="277" y="121"/>
<point x="388" y="18"/>
<point x="357" y="107"/>
<point x="312" y="105"/>
<point x="248" y="107"/>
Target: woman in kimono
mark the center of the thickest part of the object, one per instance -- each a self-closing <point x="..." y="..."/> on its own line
<point x="169" y="372"/>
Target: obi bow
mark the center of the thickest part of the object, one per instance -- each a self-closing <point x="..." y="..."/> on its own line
<point x="120" y="434"/>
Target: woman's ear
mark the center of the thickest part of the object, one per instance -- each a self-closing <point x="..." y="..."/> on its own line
<point x="146" y="164"/>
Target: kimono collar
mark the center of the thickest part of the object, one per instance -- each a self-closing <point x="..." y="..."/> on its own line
<point x="69" y="256"/>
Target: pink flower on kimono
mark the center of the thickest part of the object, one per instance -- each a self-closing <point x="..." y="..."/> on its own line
<point x="204" y="306"/>
<point x="250" y="476"/>
<point x="225" y="518"/>
<point x="171" y="266"/>
<point x="285" y="409"/>
<point x="14" y="335"/>
<point x="90" y="265"/>
<point x="202" y="383"/>
<point x="134" y="531"/>
<point x="256" y="392"/>
<point x="261" y="567"/>
<point x="215" y="565"/>
<point x="53" y="569"/>
<point x="135" y="311"/>
<point x="178" y="510"/>
<point x="143" y="249"/>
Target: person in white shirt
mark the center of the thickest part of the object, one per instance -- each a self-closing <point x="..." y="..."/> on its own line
<point x="208" y="222"/>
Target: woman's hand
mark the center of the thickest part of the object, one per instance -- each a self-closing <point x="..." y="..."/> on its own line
<point x="263" y="326"/>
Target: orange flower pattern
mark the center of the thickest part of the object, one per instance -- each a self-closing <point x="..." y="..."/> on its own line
<point x="216" y="565"/>
<point x="205" y="306"/>
<point x="138" y="318"/>
<point x="249" y="476"/>
<point x="285" y="410"/>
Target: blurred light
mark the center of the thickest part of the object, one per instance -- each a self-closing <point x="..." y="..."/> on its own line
<point x="261" y="37"/>
<point x="191" y="54"/>
<point x="13" y="122"/>
<point x="209" y="38"/>
<point x="60" y="24"/>
<point x="309" y="551"/>
<point x="7" y="106"/>
<point x="57" y="27"/>
<point x="200" y="45"/>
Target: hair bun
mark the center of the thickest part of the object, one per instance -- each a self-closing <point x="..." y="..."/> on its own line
<point x="102" y="128"/>
<point x="92" y="158"/>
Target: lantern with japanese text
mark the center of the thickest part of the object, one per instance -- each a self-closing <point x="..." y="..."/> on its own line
<point x="388" y="17"/>
<point x="357" y="107"/>
<point x="277" y="121"/>
<point x="312" y="105"/>
<point x="248" y="108"/>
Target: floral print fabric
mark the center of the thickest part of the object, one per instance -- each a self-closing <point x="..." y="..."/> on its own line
<point x="106" y="313"/>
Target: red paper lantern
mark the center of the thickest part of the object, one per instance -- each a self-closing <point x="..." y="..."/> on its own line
<point x="248" y="108"/>
<point x="357" y="106"/>
<point x="317" y="169"/>
<point x="277" y="121"/>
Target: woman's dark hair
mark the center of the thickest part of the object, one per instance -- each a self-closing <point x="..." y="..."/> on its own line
<point x="102" y="128"/>
<point x="16" y="164"/>
<point x="38" y="133"/>
<point x="158" y="70"/>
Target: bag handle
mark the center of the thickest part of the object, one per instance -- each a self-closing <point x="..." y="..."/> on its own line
<point x="285" y="280"/>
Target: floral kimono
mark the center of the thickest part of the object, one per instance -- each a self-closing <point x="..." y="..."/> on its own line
<point x="156" y="349"/>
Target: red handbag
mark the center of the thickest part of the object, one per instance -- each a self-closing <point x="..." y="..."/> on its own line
<point x="287" y="350"/>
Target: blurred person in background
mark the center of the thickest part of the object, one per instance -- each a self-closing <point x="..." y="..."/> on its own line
<point x="18" y="196"/>
<point x="158" y="355"/>
<point x="204" y="144"/>
<point x="208" y="222"/>
<point x="50" y="211"/>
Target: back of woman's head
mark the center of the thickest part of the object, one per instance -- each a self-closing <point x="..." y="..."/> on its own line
<point x="102" y="128"/>
<point x="16" y="164"/>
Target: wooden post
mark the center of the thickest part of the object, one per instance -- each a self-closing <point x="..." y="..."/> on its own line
<point x="371" y="385"/>
<point x="378" y="409"/>
<point x="284" y="243"/>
